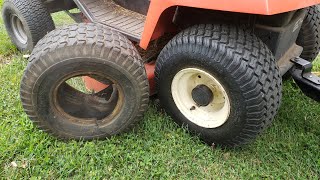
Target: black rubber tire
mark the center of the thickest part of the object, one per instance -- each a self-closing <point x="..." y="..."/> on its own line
<point x="86" y="48"/>
<point x="35" y="19"/>
<point x="244" y="66"/>
<point x="309" y="36"/>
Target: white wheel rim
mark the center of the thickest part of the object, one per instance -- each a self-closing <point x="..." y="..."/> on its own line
<point x="215" y="113"/>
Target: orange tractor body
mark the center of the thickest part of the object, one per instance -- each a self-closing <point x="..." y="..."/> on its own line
<point x="159" y="13"/>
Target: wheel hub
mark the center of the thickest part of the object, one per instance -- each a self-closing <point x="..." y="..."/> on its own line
<point x="18" y="29"/>
<point x="202" y="95"/>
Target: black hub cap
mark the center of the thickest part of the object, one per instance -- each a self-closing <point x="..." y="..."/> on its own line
<point x="202" y="95"/>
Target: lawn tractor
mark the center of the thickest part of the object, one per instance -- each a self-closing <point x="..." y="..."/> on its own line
<point x="215" y="66"/>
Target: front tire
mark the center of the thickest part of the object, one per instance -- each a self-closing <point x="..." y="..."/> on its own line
<point x="241" y="90"/>
<point x="73" y="52"/>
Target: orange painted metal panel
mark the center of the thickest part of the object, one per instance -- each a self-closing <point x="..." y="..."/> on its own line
<point x="96" y="86"/>
<point x="263" y="7"/>
<point x="93" y="85"/>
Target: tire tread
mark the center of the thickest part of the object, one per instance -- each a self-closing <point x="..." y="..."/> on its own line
<point x="37" y="18"/>
<point x="255" y="70"/>
<point x="85" y="39"/>
<point x="309" y="36"/>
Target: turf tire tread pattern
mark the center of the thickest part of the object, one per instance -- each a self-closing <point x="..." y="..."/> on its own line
<point x="309" y="37"/>
<point x="256" y="70"/>
<point x="91" y="39"/>
<point x="37" y="17"/>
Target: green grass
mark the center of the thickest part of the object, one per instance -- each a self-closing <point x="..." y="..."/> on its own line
<point x="60" y="19"/>
<point x="157" y="148"/>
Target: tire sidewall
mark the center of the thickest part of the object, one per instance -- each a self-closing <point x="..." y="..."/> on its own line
<point x="43" y="91"/>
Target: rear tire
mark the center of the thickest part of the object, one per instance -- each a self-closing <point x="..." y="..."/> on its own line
<point x="237" y="66"/>
<point x="84" y="50"/>
<point x="26" y="22"/>
<point x="309" y="36"/>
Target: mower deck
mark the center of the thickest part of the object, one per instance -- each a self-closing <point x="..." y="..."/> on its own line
<point x="114" y="16"/>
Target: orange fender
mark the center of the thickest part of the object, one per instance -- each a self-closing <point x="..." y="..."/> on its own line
<point x="156" y="25"/>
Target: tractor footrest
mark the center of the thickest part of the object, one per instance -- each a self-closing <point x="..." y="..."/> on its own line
<point x="308" y="83"/>
<point x="114" y="16"/>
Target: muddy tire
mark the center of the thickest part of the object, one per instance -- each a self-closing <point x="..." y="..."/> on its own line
<point x="219" y="81"/>
<point x="26" y="22"/>
<point x="309" y="36"/>
<point x="84" y="50"/>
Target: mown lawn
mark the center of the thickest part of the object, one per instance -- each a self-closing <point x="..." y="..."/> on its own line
<point x="157" y="148"/>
